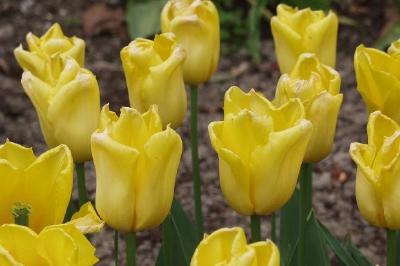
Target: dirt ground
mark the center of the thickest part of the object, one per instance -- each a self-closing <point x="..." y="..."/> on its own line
<point x="334" y="198"/>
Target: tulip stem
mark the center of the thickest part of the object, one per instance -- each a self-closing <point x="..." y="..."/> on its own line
<point x="305" y="207"/>
<point x="195" y="161"/>
<point x="80" y="175"/>
<point x="131" y="249"/>
<point x="116" y="238"/>
<point x="391" y="242"/>
<point x="255" y="224"/>
<point x="273" y="227"/>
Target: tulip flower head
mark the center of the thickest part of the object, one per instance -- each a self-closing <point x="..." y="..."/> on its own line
<point x="44" y="183"/>
<point x="42" y="49"/>
<point x="153" y="72"/>
<point x="68" y="105"/>
<point x="136" y="164"/>
<point x="228" y="246"/>
<point x="196" y="26"/>
<point x="378" y="79"/>
<point x="318" y="87"/>
<point x="260" y="149"/>
<point x="296" y="31"/>
<point x="378" y="171"/>
<point x="62" y="245"/>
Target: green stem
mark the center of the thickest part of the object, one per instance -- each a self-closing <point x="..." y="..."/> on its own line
<point x="273" y="227"/>
<point x="195" y="161"/>
<point x="80" y="175"/>
<point x="116" y="238"/>
<point x="255" y="224"/>
<point x="131" y="249"/>
<point x="305" y="207"/>
<point x="391" y="242"/>
<point x="254" y="37"/>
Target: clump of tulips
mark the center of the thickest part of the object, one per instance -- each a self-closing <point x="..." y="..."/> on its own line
<point x="265" y="148"/>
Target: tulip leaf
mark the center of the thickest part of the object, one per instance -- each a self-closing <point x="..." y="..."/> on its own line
<point x="289" y="229"/>
<point x="341" y="252"/>
<point x="179" y="238"/>
<point x="356" y="254"/>
<point x="391" y="34"/>
<point x="254" y="21"/>
<point x="143" y="17"/>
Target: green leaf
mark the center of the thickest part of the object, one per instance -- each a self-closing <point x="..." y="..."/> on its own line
<point x="143" y="18"/>
<point x="289" y="229"/>
<point x="356" y="254"/>
<point x="390" y="35"/>
<point x="179" y="238"/>
<point x="340" y="251"/>
<point x="254" y="21"/>
<point x="313" y="4"/>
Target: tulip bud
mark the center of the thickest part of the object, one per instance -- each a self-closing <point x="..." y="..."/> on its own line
<point x="42" y="49"/>
<point x="303" y="31"/>
<point x="44" y="183"/>
<point x="228" y="246"/>
<point x="196" y="26"/>
<point x="317" y="86"/>
<point x="54" y="245"/>
<point x="253" y="142"/>
<point x="153" y="72"/>
<point x="68" y="107"/>
<point x="378" y="79"/>
<point x="136" y="163"/>
<point x="378" y="171"/>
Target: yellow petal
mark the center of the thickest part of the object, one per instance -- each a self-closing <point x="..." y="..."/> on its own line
<point x="86" y="219"/>
<point x="6" y="259"/>
<point x="115" y="166"/>
<point x="18" y="156"/>
<point x="28" y="61"/>
<point x="379" y="127"/>
<point x="276" y="165"/>
<point x="107" y="118"/>
<point x="322" y="113"/>
<point x="156" y="175"/>
<point x="47" y="187"/>
<point x="20" y="242"/>
<point x="74" y="114"/>
<point x="267" y="253"/>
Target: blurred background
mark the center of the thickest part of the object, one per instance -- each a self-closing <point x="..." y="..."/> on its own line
<point x="247" y="60"/>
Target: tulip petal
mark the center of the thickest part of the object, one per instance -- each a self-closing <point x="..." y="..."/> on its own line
<point x="77" y="51"/>
<point x="267" y="253"/>
<point x="20" y="241"/>
<point x="157" y="170"/>
<point x="30" y="61"/>
<point x="275" y="167"/>
<point x="74" y="113"/>
<point x="379" y="127"/>
<point x="6" y="259"/>
<point x="115" y="167"/>
<point x="324" y="107"/>
<point x="52" y="189"/>
<point x="86" y="219"/>
<point x="18" y="156"/>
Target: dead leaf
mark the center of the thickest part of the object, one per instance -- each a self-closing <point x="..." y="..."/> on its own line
<point x="100" y="18"/>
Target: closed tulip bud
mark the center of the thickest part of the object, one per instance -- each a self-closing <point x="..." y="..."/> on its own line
<point x="44" y="183"/>
<point x="303" y="31"/>
<point x="68" y="107"/>
<point x="378" y="170"/>
<point x="42" y="49"/>
<point x="378" y="79"/>
<point x="153" y="72"/>
<point x="136" y="164"/>
<point x="196" y="26"/>
<point x="318" y="87"/>
<point x="228" y="246"/>
<point x="61" y="245"/>
<point x="253" y="142"/>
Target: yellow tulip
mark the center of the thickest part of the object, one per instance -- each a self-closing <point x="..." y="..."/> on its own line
<point x="54" y="245"/>
<point x="153" y="72"/>
<point x="318" y="87"/>
<point x="228" y="246"/>
<point x="68" y="107"/>
<point x="260" y="150"/>
<point x="378" y="170"/>
<point x="136" y="164"/>
<point x="394" y="49"/>
<point x="44" y="182"/>
<point x="196" y="26"/>
<point x="42" y="49"/>
<point x="303" y="31"/>
<point x="378" y="79"/>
